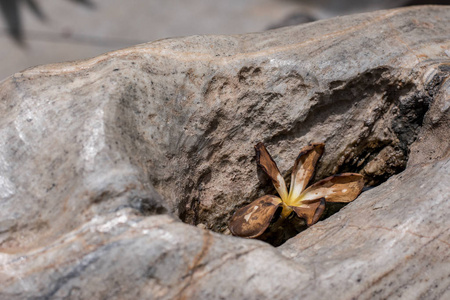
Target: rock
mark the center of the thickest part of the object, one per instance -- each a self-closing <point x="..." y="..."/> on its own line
<point x="101" y="159"/>
<point x="388" y="244"/>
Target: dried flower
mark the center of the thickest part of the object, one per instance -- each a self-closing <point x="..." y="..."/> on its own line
<point x="308" y="203"/>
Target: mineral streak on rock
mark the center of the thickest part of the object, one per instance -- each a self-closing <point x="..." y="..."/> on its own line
<point x="99" y="159"/>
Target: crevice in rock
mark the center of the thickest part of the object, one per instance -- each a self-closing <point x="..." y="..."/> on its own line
<point x="395" y="110"/>
<point x="382" y="150"/>
<point x="182" y="123"/>
<point x="392" y="109"/>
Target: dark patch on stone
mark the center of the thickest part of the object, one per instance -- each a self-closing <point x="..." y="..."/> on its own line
<point x="148" y="206"/>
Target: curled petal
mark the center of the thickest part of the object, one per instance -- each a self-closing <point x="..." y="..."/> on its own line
<point x="338" y="188"/>
<point x="265" y="161"/>
<point x="252" y="220"/>
<point x="304" y="168"/>
<point x="310" y="211"/>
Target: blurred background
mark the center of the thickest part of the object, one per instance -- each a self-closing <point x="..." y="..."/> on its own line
<point x="35" y="32"/>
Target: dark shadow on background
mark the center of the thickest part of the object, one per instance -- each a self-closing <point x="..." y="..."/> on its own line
<point x="425" y="2"/>
<point x="85" y="3"/>
<point x="12" y="17"/>
<point x="300" y="17"/>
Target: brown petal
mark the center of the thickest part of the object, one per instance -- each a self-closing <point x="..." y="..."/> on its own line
<point x="338" y="188"/>
<point x="311" y="212"/>
<point x="252" y="220"/>
<point x="304" y="168"/>
<point x="265" y="161"/>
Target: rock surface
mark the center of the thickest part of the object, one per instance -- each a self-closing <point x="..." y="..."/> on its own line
<point x="100" y="159"/>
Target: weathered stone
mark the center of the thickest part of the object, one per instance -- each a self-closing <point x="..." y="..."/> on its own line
<point x="99" y="160"/>
<point x="394" y="242"/>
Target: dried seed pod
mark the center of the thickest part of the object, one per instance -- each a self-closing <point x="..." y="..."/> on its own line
<point x="311" y="211"/>
<point x="337" y="188"/>
<point x="268" y="165"/>
<point x="252" y="220"/>
<point x="304" y="167"/>
<point x="309" y="204"/>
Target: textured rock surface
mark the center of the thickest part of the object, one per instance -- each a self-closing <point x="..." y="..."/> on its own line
<point x="389" y="244"/>
<point x="99" y="160"/>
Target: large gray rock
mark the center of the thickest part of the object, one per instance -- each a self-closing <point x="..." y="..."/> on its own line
<point x="100" y="159"/>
